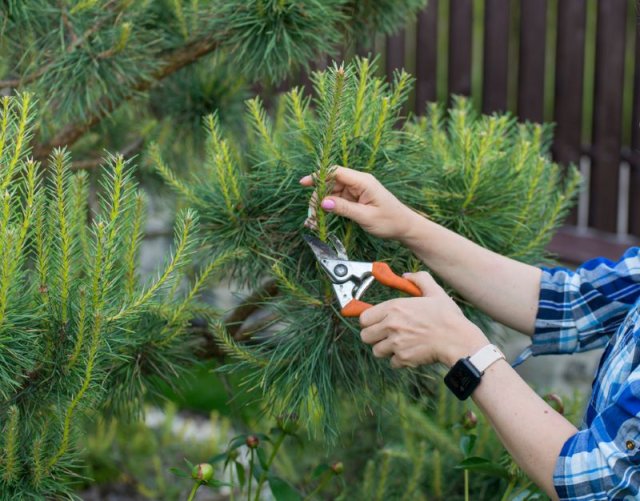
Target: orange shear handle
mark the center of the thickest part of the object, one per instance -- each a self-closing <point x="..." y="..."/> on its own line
<point x="383" y="274"/>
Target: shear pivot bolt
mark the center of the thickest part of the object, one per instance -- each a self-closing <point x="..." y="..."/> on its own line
<point x="340" y="270"/>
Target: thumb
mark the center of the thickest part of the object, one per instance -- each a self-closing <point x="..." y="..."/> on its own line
<point x="425" y="283"/>
<point x="351" y="210"/>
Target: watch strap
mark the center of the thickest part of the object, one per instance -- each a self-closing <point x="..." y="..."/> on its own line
<point x="485" y="357"/>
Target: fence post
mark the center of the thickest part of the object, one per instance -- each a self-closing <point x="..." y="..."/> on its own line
<point x="533" y="25"/>
<point x="461" y="16"/>
<point x="607" y="123"/>
<point x="496" y="56"/>
<point x="426" y="55"/>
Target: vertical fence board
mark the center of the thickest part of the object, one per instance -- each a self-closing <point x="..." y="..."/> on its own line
<point x="426" y="55"/>
<point x="567" y="147"/>
<point x="634" y="183"/>
<point x="496" y="56"/>
<point x="395" y="53"/>
<point x="460" y="47"/>
<point x="533" y="23"/>
<point x="607" y="127"/>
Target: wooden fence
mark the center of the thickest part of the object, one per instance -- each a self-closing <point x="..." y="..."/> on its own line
<point x="573" y="62"/>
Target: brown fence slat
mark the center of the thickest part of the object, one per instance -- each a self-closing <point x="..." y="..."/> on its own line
<point x="533" y="14"/>
<point x="461" y="17"/>
<point x="572" y="17"/>
<point x="634" y="184"/>
<point x="395" y="53"/>
<point x="496" y="55"/>
<point x="426" y="55"/>
<point x="607" y="128"/>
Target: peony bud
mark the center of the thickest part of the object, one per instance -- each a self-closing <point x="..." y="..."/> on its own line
<point x="202" y="472"/>
<point x="469" y="420"/>
<point x="555" y="402"/>
<point x="252" y="441"/>
<point x="337" y="468"/>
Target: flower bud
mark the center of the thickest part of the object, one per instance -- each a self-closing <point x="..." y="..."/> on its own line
<point x="555" y="402"/>
<point x="469" y="420"/>
<point x="337" y="468"/>
<point x="202" y="472"/>
<point x="252" y="441"/>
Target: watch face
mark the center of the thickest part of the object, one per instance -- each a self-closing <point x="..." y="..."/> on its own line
<point x="463" y="378"/>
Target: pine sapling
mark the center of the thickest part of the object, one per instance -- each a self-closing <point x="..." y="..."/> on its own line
<point x="80" y="331"/>
<point x="486" y="177"/>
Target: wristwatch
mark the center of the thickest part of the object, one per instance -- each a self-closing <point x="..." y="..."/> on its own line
<point x="464" y="376"/>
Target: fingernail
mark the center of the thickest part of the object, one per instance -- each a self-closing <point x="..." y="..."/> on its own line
<point x="305" y="179"/>
<point x="328" y="204"/>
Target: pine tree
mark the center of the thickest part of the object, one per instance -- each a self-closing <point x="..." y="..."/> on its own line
<point x="487" y="177"/>
<point x="79" y="331"/>
<point x="144" y="63"/>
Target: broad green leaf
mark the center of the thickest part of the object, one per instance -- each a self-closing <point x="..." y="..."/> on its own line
<point x="320" y="470"/>
<point x="179" y="473"/>
<point x="282" y="491"/>
<point x="483" y="465"/>
<point x="467" y="442"/>
<point x="241" y="473"/>
<point x="263" y="458"/>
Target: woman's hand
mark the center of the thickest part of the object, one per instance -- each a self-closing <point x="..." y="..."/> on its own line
<point x="361" y="197"/>
<point x="421" y="330"/>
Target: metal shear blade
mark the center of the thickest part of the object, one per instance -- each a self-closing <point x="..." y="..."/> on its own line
<point x="351" y="279"/>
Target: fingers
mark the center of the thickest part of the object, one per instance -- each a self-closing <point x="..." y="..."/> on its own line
<point x="373" y="334"/>
<point x="344" y="197"/>
<point x="307" y="180"/>
<point x="375" y="314"/>
<point x="345" y="208"/>
<point x="348" y="177"/>
<point x="387" y="349"/>
<point x="383" y="349"/>
<point x="425" y="283"/>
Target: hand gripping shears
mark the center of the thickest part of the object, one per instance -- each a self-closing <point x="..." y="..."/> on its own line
<point x="351" y="279"/>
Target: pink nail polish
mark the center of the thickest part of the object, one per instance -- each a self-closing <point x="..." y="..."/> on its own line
<point x="328" y="204"/>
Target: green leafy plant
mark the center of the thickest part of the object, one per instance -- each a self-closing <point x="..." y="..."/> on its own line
<point x="486" y="177"/>
<point x="137" y="457"/>
<point x="249" y="463"/>
<point x="79" y="330"/>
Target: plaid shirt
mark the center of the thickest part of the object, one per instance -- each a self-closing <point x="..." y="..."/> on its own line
<point x="597" y="305"/>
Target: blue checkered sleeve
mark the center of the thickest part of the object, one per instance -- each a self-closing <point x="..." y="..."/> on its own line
<point x="580" y="310"/>
<point x="602" y="461"/>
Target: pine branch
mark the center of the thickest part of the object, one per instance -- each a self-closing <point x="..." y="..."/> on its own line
<point x="249" y="306"/>
<point x="76" y="42"/>
<point x="78" y="329"/>
<point x="170" y="62"/>
<point x="129" y="151"/>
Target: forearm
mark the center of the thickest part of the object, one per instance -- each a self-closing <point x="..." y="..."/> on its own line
<point x="529" y="428"/>
<point x="505" y="289"/>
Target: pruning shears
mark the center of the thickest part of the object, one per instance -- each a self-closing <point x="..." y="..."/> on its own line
<point x="351" y="279"/>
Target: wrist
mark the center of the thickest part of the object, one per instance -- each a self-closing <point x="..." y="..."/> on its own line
<point x="417" y="229"/>
<point x="468" y="340"/>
